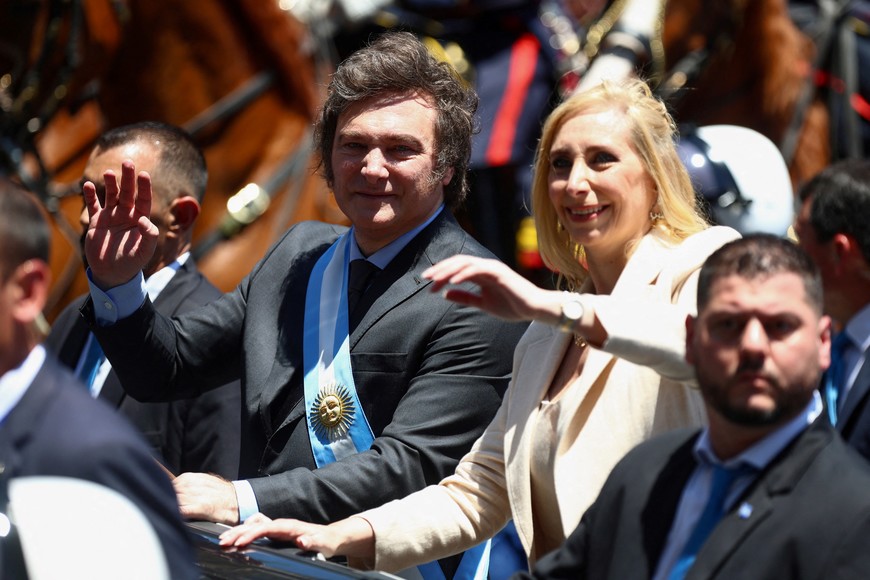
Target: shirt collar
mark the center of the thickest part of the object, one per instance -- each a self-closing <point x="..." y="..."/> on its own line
<point x="157" y="281"/>
<point x="15" y="383"/>
<point x="385" y="255"/>
<point x="764" y="451"/>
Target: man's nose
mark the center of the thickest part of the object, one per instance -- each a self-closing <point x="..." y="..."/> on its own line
<point x="375" y="165"/>
<point x="754" y="336"/>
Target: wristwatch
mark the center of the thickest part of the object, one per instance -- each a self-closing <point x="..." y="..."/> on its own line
<point x="572" y="312"/>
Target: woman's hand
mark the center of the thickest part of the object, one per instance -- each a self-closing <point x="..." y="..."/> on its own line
<point x="502" y="292"/>
<point x="352" y="537"/>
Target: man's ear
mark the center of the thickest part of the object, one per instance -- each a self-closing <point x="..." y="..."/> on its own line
<point x="691" y="321"/>
<point x="31" y="281"/>
<point x="184" y="211"/>
<point x="847" y="252"/>
<point x="448" y="176"/>
<point x="825" y="332"/>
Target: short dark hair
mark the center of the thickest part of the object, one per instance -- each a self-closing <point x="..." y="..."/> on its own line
<point x="840" y="196"/>
<point x="182" y="164"/>
<point x="759" y="256"/>
<point x="398" y="63"/>
<point x="24" y="232"/>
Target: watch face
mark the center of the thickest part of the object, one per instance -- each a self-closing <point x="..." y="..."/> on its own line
<point x="572" y="310"/>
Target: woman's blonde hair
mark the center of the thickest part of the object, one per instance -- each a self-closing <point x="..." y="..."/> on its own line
<point x="653" y="132"/>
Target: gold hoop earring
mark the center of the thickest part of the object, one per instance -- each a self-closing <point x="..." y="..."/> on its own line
<point x="656" y="215"/>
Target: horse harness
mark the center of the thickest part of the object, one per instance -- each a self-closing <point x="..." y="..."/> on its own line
<point x="835" y="36"/>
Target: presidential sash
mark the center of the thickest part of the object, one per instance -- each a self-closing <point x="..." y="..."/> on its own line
<point x="337" y="426"/>
<point x="473" y="566"/>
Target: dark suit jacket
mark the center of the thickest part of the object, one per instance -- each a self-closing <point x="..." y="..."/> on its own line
<point x="199" y="434"/>
<point x="429" y="373"/>
<point x="853" y="421"/>
<point x="810" y="517"/>
<point x="57" y="429"/>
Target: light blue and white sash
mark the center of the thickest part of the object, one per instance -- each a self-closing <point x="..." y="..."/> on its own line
<point x="473" y="566"/>
<point x="337" y="426"/>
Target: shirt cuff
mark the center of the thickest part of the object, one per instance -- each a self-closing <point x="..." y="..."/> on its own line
<point x="246" y="499"/>
<point x="119" y="302"/>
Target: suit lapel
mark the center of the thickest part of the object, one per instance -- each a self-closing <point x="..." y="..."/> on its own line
<point x="393" y="286"/>
<point x="757" y="504"/>
<point x="112" y="392"/>
<point x="643" y="267"/>
<point x="523" y="404"/>
<point x="855" y="398"/>
<point x="402" y="277"/>
<point x="68" y="336"/>
<point x="658" y="515"/>
<point x="72" y="336"/>
<point x="180" y="286"/>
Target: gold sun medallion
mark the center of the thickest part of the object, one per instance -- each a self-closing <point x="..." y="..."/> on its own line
<point x="332" y="412"/>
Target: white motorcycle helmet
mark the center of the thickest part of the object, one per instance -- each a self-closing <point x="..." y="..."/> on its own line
<point x="742" y="176"/>
<point x="73" y="528"/>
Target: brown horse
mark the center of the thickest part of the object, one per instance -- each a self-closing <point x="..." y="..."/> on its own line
<point x="740" y="62"/>
<point x="240" y="75"/>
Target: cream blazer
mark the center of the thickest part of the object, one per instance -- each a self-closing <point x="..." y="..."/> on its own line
<point x="637" y="385"/>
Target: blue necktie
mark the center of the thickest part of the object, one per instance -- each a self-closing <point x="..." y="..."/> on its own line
<point x="714" y="510"/>
<point x="93" y="358"/>
<point x="835" y="376"/>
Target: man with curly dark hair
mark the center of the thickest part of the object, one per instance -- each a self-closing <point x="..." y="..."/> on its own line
<point x="359" y="384"/>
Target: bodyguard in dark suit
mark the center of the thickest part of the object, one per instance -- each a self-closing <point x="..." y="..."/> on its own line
<point x="830" y="230"/>
<point x="200" y="433"/>
<point x="49" y="426"/>
<point x="345" y="407"/>
<point x="768" y="490"/>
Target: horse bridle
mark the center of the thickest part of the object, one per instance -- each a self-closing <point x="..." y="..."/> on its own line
<point x="832" y="41"/>
<point x="676" y="81"/>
